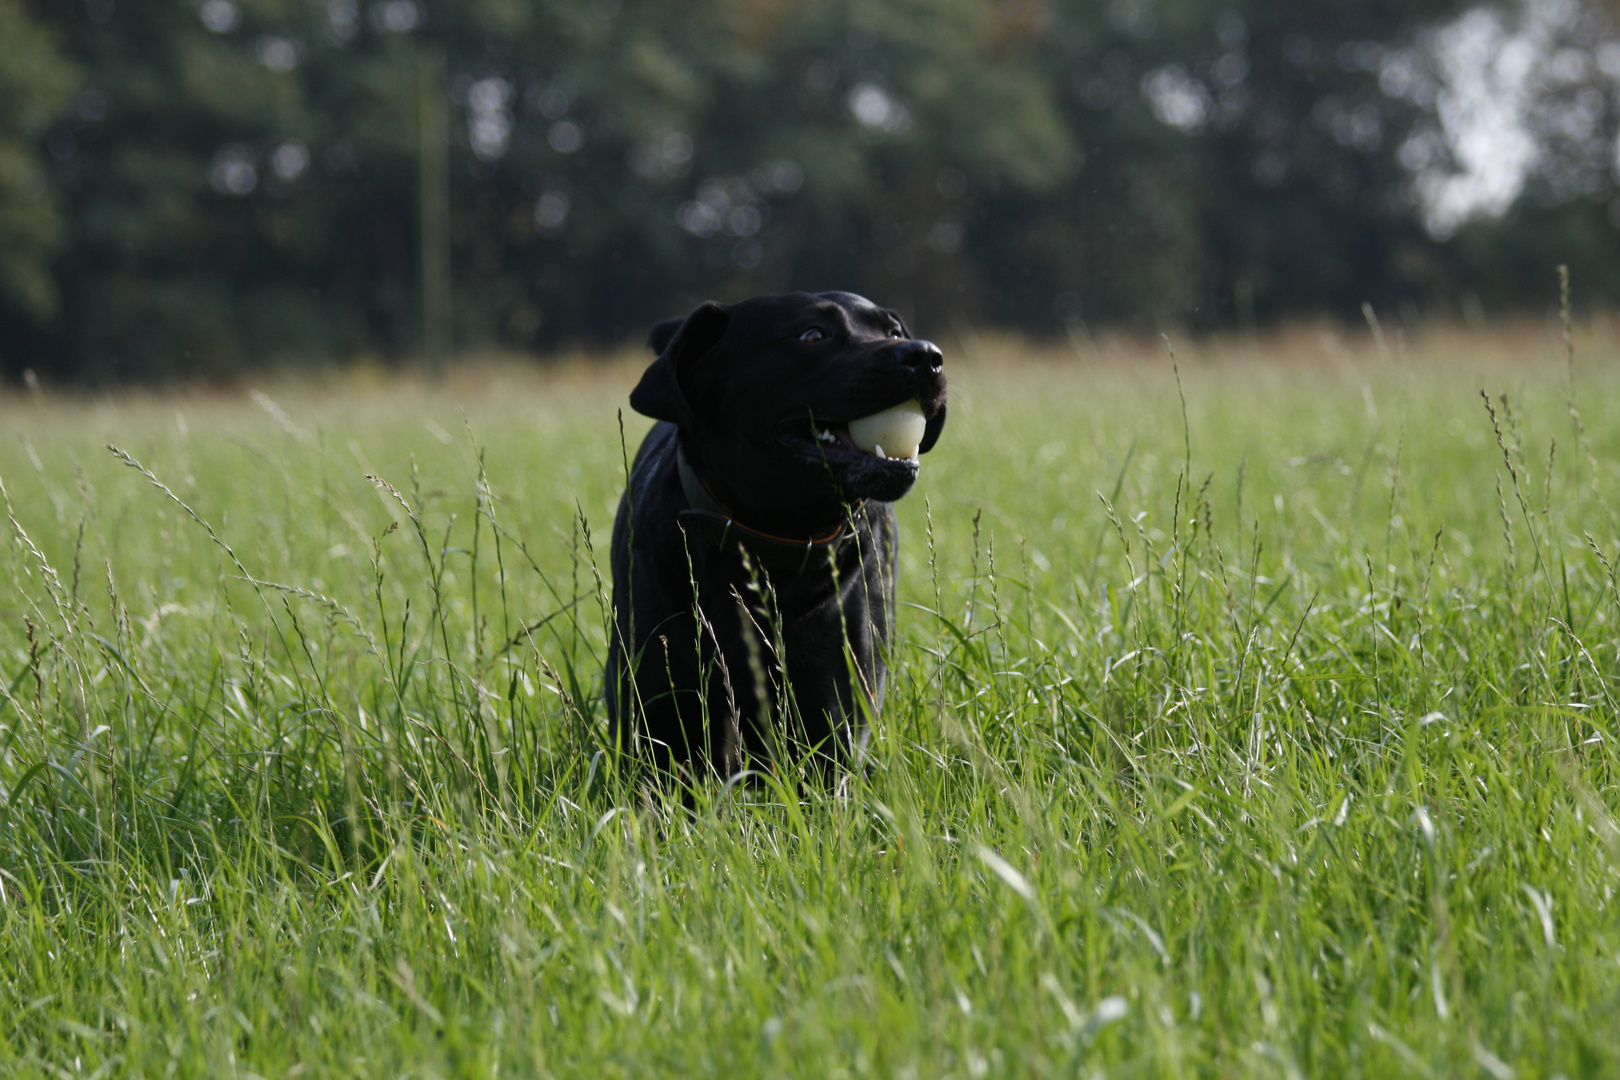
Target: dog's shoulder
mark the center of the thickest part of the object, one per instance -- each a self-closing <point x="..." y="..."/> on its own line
<point x="656" y="452"/>
<point x="653" y="494"/>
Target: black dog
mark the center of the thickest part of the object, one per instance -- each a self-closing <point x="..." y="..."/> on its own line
<point x="754" y="550"/>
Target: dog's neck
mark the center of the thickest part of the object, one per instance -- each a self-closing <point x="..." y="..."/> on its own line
<point x="713" y="519"/>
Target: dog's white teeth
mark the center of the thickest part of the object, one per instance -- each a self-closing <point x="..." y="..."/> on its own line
<point x="877" y="448"/>
<point x="826" y="435"/>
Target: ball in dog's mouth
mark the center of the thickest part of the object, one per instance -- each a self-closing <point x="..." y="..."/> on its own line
<point x="892" y="433"/>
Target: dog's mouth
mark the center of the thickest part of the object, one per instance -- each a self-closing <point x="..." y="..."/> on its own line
<point x="890" y="436"/>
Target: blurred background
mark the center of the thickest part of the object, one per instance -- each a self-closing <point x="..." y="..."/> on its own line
<point x="194" y="189"/>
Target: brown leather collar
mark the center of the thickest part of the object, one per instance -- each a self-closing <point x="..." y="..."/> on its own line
<point x="710" y="518"/>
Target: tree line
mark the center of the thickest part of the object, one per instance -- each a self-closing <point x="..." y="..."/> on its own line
<point x="190" y="188"/>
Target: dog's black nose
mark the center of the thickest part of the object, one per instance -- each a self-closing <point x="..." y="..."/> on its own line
<point x="916" y="354"/>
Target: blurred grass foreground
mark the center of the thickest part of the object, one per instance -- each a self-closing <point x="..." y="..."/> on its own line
<point x="1251" y="716"/>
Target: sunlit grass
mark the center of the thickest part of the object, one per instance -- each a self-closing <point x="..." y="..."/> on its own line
<point x="1257" y="724"/>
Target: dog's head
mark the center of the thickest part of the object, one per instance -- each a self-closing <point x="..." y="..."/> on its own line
<point x="765" y="392"/>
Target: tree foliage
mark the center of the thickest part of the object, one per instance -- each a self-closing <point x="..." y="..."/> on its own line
<point x="35" y="82"/>
<point x="242" y="180"/>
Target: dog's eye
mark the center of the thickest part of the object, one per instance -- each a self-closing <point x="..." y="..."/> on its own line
<point x="897" y="333"/>
<point x="812" y="334"/>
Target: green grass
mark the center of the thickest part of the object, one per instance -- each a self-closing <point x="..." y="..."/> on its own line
<point x="1278" y="743"/>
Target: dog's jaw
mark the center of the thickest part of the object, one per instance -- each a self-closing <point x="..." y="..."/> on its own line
<point x="882" y="479"/>
<point x="852" y="473"/>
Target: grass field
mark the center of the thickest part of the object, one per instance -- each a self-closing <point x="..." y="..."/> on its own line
<point x="1261" y="723"/>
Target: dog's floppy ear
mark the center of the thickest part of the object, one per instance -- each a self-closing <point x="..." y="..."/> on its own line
<point x="661" y="393"/>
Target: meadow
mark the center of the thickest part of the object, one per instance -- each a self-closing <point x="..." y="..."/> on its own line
<point x="1253" y="715"/>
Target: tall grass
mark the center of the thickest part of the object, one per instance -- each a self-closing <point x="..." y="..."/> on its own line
<point x="1246" y="720"/>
